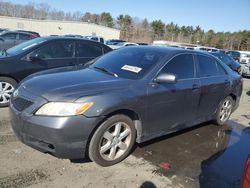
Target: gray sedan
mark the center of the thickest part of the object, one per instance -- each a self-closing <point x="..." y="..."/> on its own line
<point x="129" y="95"/>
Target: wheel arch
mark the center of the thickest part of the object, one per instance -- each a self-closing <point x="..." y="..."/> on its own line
<point x="234" y="97"/>
<point x="127" y="112"/>
<point x="8" y="76"/>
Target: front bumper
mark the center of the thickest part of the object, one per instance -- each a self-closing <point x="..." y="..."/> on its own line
<point x="63" y="137"/>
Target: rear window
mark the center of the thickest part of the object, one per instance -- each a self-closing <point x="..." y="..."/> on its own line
<point x="223" y="57"/>
<point x="208" y="66"/>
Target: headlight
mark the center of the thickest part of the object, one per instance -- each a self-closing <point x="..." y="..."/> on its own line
<point x="63" y="109"/>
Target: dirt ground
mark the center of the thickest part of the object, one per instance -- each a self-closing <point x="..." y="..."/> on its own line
<point x="22" y="166"/>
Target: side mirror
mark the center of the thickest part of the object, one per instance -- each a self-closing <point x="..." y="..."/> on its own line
<point x="34" y="57"/>
<point x="166" y="78"/>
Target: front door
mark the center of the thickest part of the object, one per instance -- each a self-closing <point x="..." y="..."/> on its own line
<point x="173" y="106"/>
<point x="51" y="55"/>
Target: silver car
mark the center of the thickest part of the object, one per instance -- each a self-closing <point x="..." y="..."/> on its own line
<point x="246" y="70"/>
<point x="9" y="39"/>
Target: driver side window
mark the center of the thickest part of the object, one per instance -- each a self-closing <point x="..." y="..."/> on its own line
<point x="62" y="49"/>
<point x="182" y="66"/>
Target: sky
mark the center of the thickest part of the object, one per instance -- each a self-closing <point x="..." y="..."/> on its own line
<point x="219" y="15"/>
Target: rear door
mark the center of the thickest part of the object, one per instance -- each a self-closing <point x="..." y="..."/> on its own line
<point x="214" y="84"/>
<point x="173" y="106"/>
<point x="52" y="55"/>
<point x="22" y="37"/>
<point x="86" y="51"/>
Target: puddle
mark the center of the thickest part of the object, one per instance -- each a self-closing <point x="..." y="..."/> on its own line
<point x="188" y="151"/>
<point x="23" y="179"/>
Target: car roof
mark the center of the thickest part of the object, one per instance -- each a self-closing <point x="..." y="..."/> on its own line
<point x="50" y="38"/>
<point x="172" y="50"/>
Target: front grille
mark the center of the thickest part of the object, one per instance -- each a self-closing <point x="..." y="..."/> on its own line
<point x="21" y="104"/>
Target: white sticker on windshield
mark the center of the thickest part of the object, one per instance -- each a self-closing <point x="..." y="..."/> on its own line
<point x="131" y="68"/>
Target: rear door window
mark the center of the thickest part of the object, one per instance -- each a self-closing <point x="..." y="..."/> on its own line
<point x="24" y="36"/>
<point x="181" y="66"/>
<point x="88" y="50"/>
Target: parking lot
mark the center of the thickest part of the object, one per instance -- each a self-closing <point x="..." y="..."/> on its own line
<point x="176" y="160"/>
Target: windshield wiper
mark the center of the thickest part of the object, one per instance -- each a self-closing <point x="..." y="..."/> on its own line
<point x="106" y="71"/>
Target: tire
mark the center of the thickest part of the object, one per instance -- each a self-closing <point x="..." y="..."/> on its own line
<point x="225" y="108"/>
<point x="109" y="144"/>
<point x="7" y="87"/>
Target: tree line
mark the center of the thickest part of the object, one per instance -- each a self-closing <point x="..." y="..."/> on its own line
<point x="134" y="29"/>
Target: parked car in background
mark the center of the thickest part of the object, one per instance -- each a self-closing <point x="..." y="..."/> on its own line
<point x="123" y="44"/>
<point x="208" y="49"/>
<point x="31" y="32"/>
<point x="74" y="36"/>
<point x="234" y="54"/>
<point x="9" y="39"/>
<point x="246" y="70"/>
<point x="41" y="54"/>
<point x="229" y="61"/>
<point x="244" y="58"/>
<point x="142" y="43"/>
<point x="2" y="29"/>
<point x="113" y="41"/>
<point x="102" y="110"/>
<point x="95" y="38"/>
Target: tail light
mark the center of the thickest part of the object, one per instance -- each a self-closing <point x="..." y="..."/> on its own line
<point x="246" y="177"/>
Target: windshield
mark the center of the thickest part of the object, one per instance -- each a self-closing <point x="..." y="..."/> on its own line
<point x="129" y="62"/>
<point x="223" y="57"/>
<point x="25" y="46"/>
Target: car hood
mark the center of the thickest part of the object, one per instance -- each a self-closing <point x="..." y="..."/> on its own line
<point x="71" y="85"/>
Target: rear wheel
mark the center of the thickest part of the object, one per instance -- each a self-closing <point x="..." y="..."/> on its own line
<point x="7" y="87"/>
<point x="224" y="111"/>
<point x="112" y="141"/>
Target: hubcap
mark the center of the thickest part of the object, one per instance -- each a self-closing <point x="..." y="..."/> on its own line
<point x="225" y="110"/>
<point x="115" y="141"/>
<point x="6" y="89"/>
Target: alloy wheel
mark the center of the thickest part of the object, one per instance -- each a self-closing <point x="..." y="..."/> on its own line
<point x="225" y="110"/>
<point x="115" y="141"/>
<point x="6" y="89"/>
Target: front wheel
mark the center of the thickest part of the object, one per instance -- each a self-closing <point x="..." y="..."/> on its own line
<point x="7" y="87"/>
<point x="224" y="111"/>
<point x="112" y="141"/>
